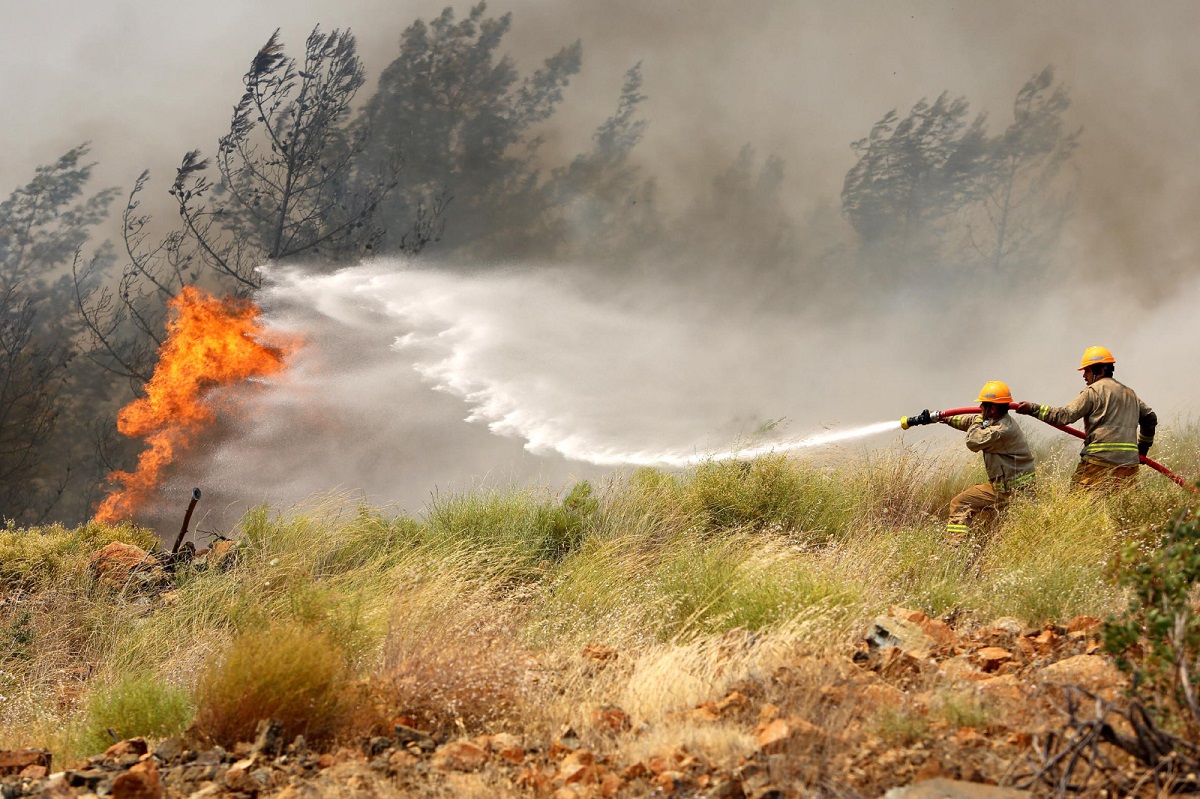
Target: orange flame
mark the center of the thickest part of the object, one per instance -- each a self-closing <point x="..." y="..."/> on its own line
<point x="210" y="343"/>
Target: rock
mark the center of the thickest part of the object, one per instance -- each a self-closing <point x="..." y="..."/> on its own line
<point x="1091" y="672"/>
<point x="578" y="768"/>
<point x="599" y="654"/>
<point x="460" y="756"/>
<point x="1083" y="624"/>
<point x="896" y="632"/>
<point x="508" y="747"/>
<point x="406" y="735"/>
<point x="611" y="718"/>
<point x="139" y="782"/>
<point x="959" y="668"/>
<point x="1009" y="625"/>
<point x="14" y="761"/>
<point x="991" y="658"/>
<point x="774" y="736"/>
<point x="169" y="749"/>
<point x="268" y="738"/>
<point x="115" y="564"/>
<point x="130" y="746"/>
<point x="942" y="788"/>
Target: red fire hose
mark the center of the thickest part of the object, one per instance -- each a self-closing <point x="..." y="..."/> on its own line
<point x="1155" y="465"/>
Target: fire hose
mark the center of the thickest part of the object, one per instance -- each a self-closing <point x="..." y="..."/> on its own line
<point x="933" y="416"/>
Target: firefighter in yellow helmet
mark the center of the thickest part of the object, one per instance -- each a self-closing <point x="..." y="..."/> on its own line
<point x="1117" y="426"/>
<point x="1006" y="457"/>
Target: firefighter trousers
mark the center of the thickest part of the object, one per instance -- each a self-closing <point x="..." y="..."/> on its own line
<point x="1103" y="476"/>
<point x="969" y="503"/>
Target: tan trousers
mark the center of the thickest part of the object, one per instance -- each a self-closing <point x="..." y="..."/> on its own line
<point x="967" y="504"/>
<point x="1103" y="477"/>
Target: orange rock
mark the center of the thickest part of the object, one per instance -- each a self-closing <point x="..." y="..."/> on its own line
<point x="915" y="616"/>
<point x="669" y="781"/>
<point x="734" y="700"/>
<point x="611" y="718"/>
<point x="768" y="712"/>
<point x="610" y="785"/>
<point x="460" y="756"/>
<point x="599" y="653"/>
<point x="34" y="772"/>
<point x="1082" y="624"/>
<point x="635" y="771"/>
<point x="131" y="746"/>
<point x="990" y="657"/>
<point x="970" y="737"/>
<point x="139" y="782"/>
<point x="115" y="562"/>
<point x="705" y="712"/>
<point x="13" y="761"/>
<point x="882" y="694"/>
<point x="774" y="736"/>
<point x="941" y="633"/>
<point x="1092" y="672"/>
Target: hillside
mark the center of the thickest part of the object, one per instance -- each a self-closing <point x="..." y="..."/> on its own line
<point x="768" y="628"/>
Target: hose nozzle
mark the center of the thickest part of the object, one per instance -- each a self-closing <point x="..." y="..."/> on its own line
<point x="923" y="417"/>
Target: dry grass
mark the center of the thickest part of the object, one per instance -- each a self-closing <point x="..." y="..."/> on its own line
<point x="755" y="578"/>
<point x="287" y="672"/>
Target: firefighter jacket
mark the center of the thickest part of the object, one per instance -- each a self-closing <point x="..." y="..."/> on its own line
<point x="1006" y="454"/>
<point x="1115" y="421"/>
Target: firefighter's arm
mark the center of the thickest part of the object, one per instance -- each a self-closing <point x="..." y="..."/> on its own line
<point x="1147" y="421"/>
<point x="962" y="423"/>
<point x="1081" y="406"/>
<point x="984" y="436"/>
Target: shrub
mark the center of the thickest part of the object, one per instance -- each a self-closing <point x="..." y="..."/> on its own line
<point x="287" y="672"/>
<point x="452" y="660"/>
<point x="1157" y="640"/>
<point x="136" y="705"/>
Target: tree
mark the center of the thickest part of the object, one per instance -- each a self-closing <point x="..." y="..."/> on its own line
<point x="459" y="116"/>
<point x="913" y="175"/>
<point x="42" y="226"/>
<point x="1022" y="200"/>
<point x="288" y="188"/>
<point x="598" y="206"/>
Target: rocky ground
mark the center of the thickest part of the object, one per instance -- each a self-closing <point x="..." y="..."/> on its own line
<point x="889" y="719"/>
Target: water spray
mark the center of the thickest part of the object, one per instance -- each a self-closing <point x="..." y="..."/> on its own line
<point x="929" y="417"/>
<point x="683" y="460"/>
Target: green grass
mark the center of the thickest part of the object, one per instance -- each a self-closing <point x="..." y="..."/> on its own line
<point x="650" y="562"/>
<point x="139" y="705"/>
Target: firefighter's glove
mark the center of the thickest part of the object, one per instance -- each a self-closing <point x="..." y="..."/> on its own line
<point x="1144" y="448"/>
<point x="920" y="418"/>
<point x="1026" y="408"/>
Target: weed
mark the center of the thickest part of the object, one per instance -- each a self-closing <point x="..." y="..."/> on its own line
<point x="901" y="726"/>
<point x="137" y="705"/>
<point x="287" y="672"/>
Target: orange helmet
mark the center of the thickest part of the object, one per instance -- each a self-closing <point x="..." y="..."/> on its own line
<point x="1095" y="355"/>
<point x="995" y="391"/>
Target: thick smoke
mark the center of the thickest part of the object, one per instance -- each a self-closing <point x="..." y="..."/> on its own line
<point x="417" y="380"/>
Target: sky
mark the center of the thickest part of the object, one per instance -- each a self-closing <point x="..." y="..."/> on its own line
<point x="146" y="82"/>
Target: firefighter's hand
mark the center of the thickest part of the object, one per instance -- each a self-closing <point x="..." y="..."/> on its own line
<point x="1026" y="408"/>
<point x="1144" y="448"/>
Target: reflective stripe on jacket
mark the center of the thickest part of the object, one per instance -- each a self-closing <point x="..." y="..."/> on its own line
<point x="1114" y="422"/>
<point x="1006" y="454"/>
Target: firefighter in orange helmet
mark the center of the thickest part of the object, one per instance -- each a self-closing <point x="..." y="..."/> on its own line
<point x="1118" y="427"/>
<point x="1006" y="458"/>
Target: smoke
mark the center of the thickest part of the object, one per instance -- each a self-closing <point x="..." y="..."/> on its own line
<point x="415" y="382"/>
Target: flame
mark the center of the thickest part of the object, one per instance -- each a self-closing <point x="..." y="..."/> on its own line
<point x="210" y="343"/>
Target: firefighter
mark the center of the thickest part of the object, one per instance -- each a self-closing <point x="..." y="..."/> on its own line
<point x="1118" y="427"/>
<point x="1006" y="457"/>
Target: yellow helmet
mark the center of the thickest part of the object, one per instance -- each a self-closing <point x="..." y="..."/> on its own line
<point x="995" y="391"/>
<point x="1095" y="355"/>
